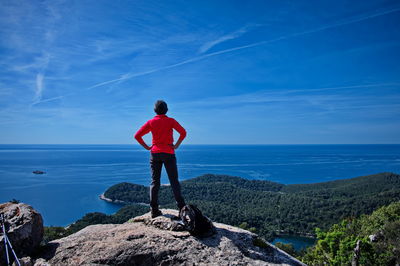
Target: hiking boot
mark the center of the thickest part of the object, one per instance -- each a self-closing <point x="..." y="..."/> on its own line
<point x="155" y="213"/>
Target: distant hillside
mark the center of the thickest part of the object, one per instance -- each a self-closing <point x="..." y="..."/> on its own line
<point x="274" y="208"/>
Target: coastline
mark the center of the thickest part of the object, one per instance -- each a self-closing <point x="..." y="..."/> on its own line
<point x="102" y="197"/>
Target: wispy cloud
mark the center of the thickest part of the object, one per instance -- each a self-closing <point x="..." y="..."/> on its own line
<point x="39" y="87"/>
<point x="347" y="21"/>
<point x="38" y="62"/>
<point x="176" y="51"/>
<point x="31" y="31"/>
<point x="49" y="99"/>
<point x="336" y="100"/>
<point x="346" y="87"/>
<point x="233" y="35"/>
<point x="40" y="78"/>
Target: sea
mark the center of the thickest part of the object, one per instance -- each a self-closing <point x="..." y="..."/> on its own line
<point x="75" y="175"/>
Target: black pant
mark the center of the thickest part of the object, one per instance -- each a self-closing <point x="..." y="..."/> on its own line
<point x="169" y="161"/>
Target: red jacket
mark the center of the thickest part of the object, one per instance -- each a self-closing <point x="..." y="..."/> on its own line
<point x="161" y="128"/>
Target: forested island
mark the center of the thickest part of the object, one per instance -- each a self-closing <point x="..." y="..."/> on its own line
<point x="272" y="208"/>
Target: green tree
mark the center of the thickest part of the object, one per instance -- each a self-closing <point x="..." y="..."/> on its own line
<point x="337" y="245"/>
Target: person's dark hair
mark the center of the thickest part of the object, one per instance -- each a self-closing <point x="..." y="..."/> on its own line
<point x="160" y="107"/>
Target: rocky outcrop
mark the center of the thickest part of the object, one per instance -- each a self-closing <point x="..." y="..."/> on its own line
<point x="24" y="228"/>
<point x="158" y="241"/>
<point x="140" y="241"/>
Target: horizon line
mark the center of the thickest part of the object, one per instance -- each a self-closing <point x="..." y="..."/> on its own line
<point x="205" y="144"/>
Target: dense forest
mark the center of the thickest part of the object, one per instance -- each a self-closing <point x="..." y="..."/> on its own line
<point x="271" y="208"/>
<point x="368" y="240"/>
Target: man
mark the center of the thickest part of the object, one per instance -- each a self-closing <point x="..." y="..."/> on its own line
<point x="162" y="152"/>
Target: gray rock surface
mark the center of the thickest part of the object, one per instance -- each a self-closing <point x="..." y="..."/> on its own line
<point x="24" y="228"/>
<point x="25" y="261"/>
<point x="41" y="262"/>
<point x="146" y="241"/>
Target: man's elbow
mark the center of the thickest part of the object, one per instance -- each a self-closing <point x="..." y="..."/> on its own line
<point x="183" y="134"/>
<point x="137" y="137"/>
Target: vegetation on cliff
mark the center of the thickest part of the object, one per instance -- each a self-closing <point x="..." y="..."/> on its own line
<point x="377" y="235"/>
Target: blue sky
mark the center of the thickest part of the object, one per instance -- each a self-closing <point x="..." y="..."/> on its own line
<point x="232" y="72"/>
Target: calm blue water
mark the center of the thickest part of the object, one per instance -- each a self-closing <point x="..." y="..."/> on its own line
<point x="298" y="242"/>
<point x="77" y="174"/>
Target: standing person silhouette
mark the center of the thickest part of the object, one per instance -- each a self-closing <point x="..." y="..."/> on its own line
<point x="162" y="152"/>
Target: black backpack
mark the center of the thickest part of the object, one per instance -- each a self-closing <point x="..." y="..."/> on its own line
<point x="195" y="222"/>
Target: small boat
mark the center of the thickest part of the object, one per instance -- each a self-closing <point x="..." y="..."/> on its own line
<point x="38" y="172"/>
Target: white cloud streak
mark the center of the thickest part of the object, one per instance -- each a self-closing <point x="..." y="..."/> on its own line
<point x="48" y="100"/>
<point x="360" y="18"/>
<point x="236" y="34"/>
<point x="40" y="78"/>
<point x="39" y="87"/>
